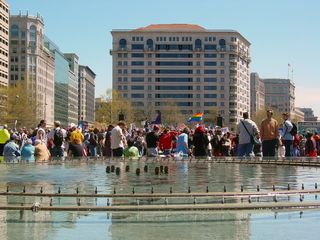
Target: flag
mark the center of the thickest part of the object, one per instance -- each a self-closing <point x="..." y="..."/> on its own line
<point x="158" y="119"/>
<point x="196" y="117"/>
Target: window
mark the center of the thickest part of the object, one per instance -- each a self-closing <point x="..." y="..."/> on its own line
<point x="137" y="63"/>
<point x="150" y="44"/>
<point x="210" y="71"/>
<point x="33" y="33"/>
<point x="210" y="80"/>
<point x="198" y="79"/>
<point x="210" y="87"/>
<point x="137" y="71"/>
<point x="138" y="87"/>
<point x="210" y="95"/>
<point x="136" y="79"/>
<point x="221" y="87"/>
<point x="198" y="88"/>
<point x="149" y="63"/>
<point x="119" y="87"/>
<point x="221" y="79"/>
<point x="123" y="43"/>
<point x="174" y="88"/>
<point x="137" y="46"/>
<point x="222" y="64"/>
<point x="149" y="71"/>
<point x="137" y="55"/>
<point x="173" y="71"/>
<point x="174" y="79"/>
<point x="210" y="104"/>
<point x="125" y="79"/>
<point x="173" y="95"/>
<point x="222" y="43"/>
<point x="210" y="47"/>
<point x="222" y="96"/>
<point x="222" y="71"/>
<point x="210" y="63"/>
<point x="198" y="44"/>
<point x="210" y="55"/>
<point x="14" y="31"/>
<point x="137" y="95"/>
<point x="149" y="79"/>
<point x="149" y="55"/>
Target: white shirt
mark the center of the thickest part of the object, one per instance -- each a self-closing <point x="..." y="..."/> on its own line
<point x="117" y="138"/>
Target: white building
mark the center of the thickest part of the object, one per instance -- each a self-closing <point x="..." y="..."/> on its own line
<point x="257" y="92"/>
<point x="32" y="63"/>
<point x="194" y="67"/>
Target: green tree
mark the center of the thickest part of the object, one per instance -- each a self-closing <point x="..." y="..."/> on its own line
<point x="19" y="107"/>
<point x="211" y="116"/>
<point x="171" y="114"/>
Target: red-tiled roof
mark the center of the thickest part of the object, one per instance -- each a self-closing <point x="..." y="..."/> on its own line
<point x="172" y="28"/>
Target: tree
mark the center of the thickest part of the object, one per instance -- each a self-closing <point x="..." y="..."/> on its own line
<point x="261" y="114"/>
<point x="19" y="106"/>
<point x="113" y="105"/>
<point x="211" y="116"/>
<point x="171" y="114"/>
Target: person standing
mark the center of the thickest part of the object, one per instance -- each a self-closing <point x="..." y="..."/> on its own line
<point x="269" y="132"/>
<point x="57" y="137"/>
<point x="41" y="132"/>
<point x="4" y="137"/>
<point x="200" y="142"/>
<point x="118" y="140"/>
<point x="152" y="139"/>
<point x="286" y="135"/>
<point x="28" y="151"/>
<point x="182" y="142"/>
<point x="246" y="129"/>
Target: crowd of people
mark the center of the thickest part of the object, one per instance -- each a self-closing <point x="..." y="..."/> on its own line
<point x="269" y="139"/>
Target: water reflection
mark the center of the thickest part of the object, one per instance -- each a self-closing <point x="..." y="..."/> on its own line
<point x="182" y="175"/>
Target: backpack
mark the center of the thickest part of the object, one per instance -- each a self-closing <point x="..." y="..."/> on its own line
<point x="294" y="129"/>
<point x="93" y="139"/>
<point x="58" y="137"/>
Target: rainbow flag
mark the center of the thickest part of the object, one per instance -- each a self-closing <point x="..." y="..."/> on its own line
<point x="196" y="117"/>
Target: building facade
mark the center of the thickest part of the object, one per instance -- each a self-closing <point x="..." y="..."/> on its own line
<point x="86" y="95"/>
<point x="308" y="115"/>
<point x="195" y="68"/>
<point x="280" y="94"/>
<point x="32" y="63"/>
<point x="257" y="93"/>
<point x="4" y="49"/>
<point x="61" y="82"/>
<point x="73" y="100"/>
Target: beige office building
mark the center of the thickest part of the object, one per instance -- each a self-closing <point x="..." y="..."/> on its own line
<point x="257" y="92"/>
<point x="32" y="63"/>
<point x="4" y="48"/>
<point x="194" y="67"/>
<point x="280" y="94"/>
<point x="86" y="95"/>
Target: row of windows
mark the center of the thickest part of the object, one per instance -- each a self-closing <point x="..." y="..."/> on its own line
<point x="174" y="47"/>
<point x="4" y="41"/>
<point x="173" y="55"/>
<point x="4" y="8"/>
<point x="141" y="79"/>
<point x="5" y="53"/>
<point x="171" y="71"/>
<point x="170" y="88"/>
<point x="3" y="63"/>
<point x="4" y="30"/>
<point x="169" y="95"/>
<point x="4" y="19"/>
<point x="174" y="39"/>
<point x="141" y="63"/>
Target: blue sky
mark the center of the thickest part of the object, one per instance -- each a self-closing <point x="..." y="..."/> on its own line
<point x="280" y="31"/>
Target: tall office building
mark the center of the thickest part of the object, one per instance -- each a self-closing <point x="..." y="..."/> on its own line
<point x="73" y="100"/>
<point x="257" y="93"/>
<point x="280" y="94"/>
<point x="32" y="63"/>
<point x="194" y="67"/>
<point x="4" y="49"/>
<point x="86" y="94"/>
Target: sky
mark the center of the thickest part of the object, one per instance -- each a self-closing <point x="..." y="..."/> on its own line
<point x="281" y="32"/>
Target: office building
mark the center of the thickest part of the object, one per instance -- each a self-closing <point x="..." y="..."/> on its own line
<point x="86" y="95"/>
<point x="73" y="99"/>
<point x="4" y="49"/>
<point x="32" y="63"/>
<point x="280" y="94"/>
<point x="257" y="93"/>
<point x="308" y="115"/>
<point x="195" y="68"/>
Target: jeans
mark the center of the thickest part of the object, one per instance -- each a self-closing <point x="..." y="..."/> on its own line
<point x="269" y="148"/>
<point x="289" y="147"/>
<point x="57" y="151"/>
<point x="92" y="151"/>
<point x="245" y="150"/>
<point x="152" y="152"/>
